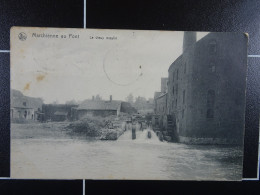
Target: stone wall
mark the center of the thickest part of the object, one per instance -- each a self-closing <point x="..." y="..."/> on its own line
<point x="208" y="141"/>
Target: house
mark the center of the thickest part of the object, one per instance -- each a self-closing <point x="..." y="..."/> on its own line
<point x="24" y="107"/>
<point x="60" y="116"/>
<point x="102" y="108"/>
<point x="160" y="104"/>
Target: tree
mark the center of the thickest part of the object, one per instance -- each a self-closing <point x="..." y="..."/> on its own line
<point x="130" y="98"/>
<point x="55" y="102"/>
<point x="140" y="103"/>
<point x="98" y="97"/>
<point x="71" y="102"/>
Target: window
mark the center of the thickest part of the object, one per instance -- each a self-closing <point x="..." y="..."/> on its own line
<point x="24" y="103"/>
<point x="212" y="47"/>
<point x="183" y="97"/>
<point x="210" y="103"/>
<point x="177" y="90"/>
<point x="212" y="67"/>
<point x="210" y="98"/>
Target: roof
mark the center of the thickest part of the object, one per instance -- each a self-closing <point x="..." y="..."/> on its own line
<point x="63" y="113"/>
<point x="194" y="45"/>
<point x="99" y="105"/>
<point x="157" y="94"/>
<point x="18" y="100"/>
<point x="161" y="95"/>
<point x="175" y="61"/>
<point x="164" y="79"/>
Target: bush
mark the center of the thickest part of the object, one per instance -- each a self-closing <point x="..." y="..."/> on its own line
<point x="91" y="125"/>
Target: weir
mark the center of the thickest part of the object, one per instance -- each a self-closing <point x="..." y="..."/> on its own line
<point x="140" y="136"/>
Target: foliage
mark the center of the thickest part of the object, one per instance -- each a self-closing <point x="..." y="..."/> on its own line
<point x="130" y="98"/>
<point x="91" y="125"/>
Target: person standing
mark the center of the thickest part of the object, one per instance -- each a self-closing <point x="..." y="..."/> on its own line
<point x="141" y="126"/>
<point x="133" y="131"/>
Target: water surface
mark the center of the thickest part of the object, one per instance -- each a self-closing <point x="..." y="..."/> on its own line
<point x="143" y="158"/>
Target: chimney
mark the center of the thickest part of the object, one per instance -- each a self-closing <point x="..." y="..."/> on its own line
<point x="189" y="38"/>
<point x="110" y="98"/>
<point x="93" y="97"/>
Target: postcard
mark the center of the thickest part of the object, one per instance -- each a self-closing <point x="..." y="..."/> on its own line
<point x="127" y="104"/>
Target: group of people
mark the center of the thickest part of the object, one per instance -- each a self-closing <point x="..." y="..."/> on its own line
<point x="137" y="125"/>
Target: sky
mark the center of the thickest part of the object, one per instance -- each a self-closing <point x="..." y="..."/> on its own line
<point x="63" y="69"/>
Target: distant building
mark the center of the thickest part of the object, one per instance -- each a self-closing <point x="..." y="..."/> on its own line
<point x="206" y="90"/>
<point x="161" y="104"/>
<point x="160" y="97"/>
<point x="164" y="85"/>
<point x="24" y="107"/>
<point x="102" y="108"/>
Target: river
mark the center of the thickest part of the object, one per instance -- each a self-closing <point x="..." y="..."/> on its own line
<point x="143" y="158"/>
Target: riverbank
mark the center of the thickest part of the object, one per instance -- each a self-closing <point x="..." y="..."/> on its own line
<point x="57" y="130"/>
<point x="39" y="130"/>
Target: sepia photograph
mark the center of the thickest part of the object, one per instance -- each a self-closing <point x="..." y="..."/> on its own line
<point x="127" y="104"/>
